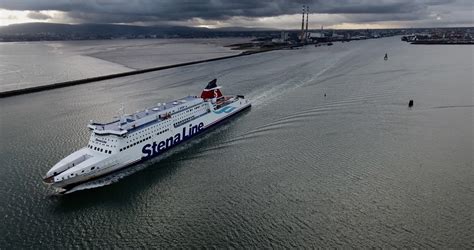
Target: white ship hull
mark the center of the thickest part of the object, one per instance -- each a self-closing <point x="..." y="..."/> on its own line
<point x="111" y="149"/>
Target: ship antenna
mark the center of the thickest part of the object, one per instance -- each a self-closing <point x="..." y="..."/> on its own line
<point x="121" y="110"/>
<point x="121" y="114"/>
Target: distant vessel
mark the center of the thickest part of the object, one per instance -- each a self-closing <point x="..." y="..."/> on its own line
<point x="385" y="57"/>
<point x="146" y="134"/>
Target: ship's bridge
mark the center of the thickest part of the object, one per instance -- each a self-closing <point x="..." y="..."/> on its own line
<point x="157" y="113"/>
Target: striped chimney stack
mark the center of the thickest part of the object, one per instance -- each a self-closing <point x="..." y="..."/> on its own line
<point x="302" y="24"/>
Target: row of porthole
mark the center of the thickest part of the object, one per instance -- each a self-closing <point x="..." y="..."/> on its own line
<point x="187" y="111"/>
<point x="102" y="144"/>
<point x="144" y="130"/>
<point x="161" y="132"/>
<point x="133" y="144"/>
<point x="183" y="121"/>
<point x="145" y="139"/>
<point x="107" y="139"/>
<point x="157" y="133"/>
<point x="100" y="149"/>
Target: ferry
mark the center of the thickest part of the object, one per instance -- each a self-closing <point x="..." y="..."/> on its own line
<point x="133" y="138"/>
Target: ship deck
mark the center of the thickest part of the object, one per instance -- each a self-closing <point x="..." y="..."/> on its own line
<point x="116" y="126"/>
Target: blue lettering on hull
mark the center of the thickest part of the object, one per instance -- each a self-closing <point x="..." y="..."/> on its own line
<point x="154" y="149"/>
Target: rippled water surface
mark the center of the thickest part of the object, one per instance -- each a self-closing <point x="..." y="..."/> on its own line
<point x="356" y="167"/>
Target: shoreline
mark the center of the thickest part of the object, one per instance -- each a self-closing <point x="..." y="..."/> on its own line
<point x="16" y="92"/>
<point x="442" y="42"/>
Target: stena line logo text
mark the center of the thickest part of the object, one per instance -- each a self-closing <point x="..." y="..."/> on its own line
<point x="150" y="150"/>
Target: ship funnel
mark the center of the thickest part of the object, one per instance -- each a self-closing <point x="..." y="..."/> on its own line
<point x="211" y="90"/>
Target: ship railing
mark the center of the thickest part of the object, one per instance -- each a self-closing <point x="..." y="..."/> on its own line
<point x="194" y="118"/>
<point x="110" y="132"/>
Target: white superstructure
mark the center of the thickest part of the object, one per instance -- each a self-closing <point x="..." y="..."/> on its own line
<point x="143" y="135"/>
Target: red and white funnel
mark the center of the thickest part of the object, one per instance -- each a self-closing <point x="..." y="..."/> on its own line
<point x="211" y="90"/>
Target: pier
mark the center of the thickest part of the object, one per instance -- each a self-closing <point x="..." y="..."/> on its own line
<point x="16" y="92"/>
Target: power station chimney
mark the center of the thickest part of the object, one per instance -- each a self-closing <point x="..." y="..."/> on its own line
<point x="307" y="14"/>
<point x="302" y="25"/>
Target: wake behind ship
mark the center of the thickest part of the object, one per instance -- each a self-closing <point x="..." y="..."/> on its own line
<point x="146" y="134"/>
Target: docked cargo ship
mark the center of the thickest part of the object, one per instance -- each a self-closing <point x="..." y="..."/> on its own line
<point x="146" y="134"/>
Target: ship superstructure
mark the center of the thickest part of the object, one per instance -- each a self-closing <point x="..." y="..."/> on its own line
<point x="143" y="135"/>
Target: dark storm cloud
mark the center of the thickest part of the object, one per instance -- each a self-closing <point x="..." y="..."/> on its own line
<point x="127" y="11"/>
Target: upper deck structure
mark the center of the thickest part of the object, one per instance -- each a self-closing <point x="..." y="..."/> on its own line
<point x="157" y="113"/>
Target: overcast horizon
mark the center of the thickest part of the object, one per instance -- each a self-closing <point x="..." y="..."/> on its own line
<point x="278" y="14"/>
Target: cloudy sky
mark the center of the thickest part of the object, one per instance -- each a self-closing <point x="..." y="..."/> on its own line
<point x="280" y="14"/>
